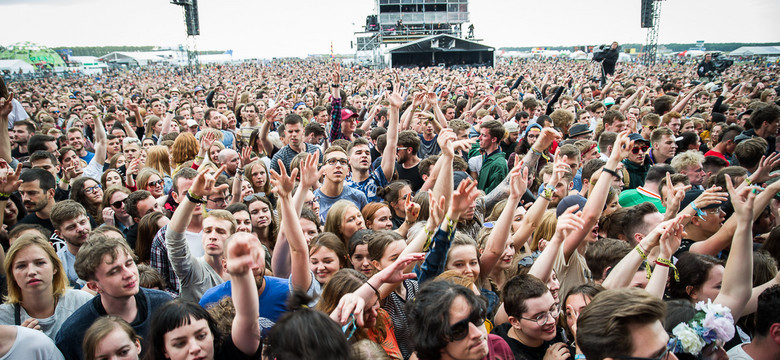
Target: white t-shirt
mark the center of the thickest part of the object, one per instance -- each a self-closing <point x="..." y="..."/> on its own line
<point x="32" y="345"/>
<point x="737" y="353"/>
<point x="17" y="113"/>
<point x="195" y="243"/>
<point x="67" y="305"/>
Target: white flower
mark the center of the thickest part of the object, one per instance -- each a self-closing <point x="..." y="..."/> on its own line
<point x="690" y="341"/>
<point x="722" y="325"/>
<point x="712" y="308"/>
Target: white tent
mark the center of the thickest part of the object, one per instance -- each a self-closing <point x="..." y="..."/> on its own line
<point x="141" y="58"/>
<point x="14" y="65"/>
<point x="756" y="51"/>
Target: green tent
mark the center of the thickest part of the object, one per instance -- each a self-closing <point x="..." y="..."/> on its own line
<point x="33" y="54"/>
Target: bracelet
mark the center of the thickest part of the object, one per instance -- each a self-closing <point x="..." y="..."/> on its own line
<point x="548" y="191"/>
<point x="428" y="239"/>
<point x="334" y="85"/>
<point x="198" y="157"/>
<point x="536" y="152"/>
<point x="669" y="264"/>
<point x="698" y="211"/>
<point x="4" y="196"/>
<point x="611" y="172"/>
<point x="375" y="290"/>
<point x="450" y="223"/>
<point x="196" y="199"/>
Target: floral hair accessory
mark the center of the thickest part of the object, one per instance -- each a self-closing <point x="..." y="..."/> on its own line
<point x="711" y="323"/>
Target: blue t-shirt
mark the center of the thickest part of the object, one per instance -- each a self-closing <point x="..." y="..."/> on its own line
<point x="273" y="300"/>
<point x="88" y="157"/>
<point x="376" y="179"/>
<point x="354" y="195"/>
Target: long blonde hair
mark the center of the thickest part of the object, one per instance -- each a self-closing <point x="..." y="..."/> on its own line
<point x="59" y="281"/>
<point x="546" y="229"/>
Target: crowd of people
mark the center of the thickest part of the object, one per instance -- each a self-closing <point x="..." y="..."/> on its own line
<point x="301" y="209"/>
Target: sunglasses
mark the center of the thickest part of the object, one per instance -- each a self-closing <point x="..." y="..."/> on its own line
<point x="118" y="204"/>
<point x="155" y="183"/>
<point x="651" y="128"/>
<point x="637" y="149"/>
<point x="460" y="329"/>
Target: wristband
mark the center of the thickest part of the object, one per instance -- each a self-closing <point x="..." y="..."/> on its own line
<point x="193" y="198"/>
<point x="334" y="85"/>
<point x="698" y="211"/>
<point x="198" y="157"/>
<point x="548" y="191"/>
<point x="536" y="152"/>
<point x="428" y="239"/>
<point x="4" y="196"/>
<point x="641" y="252"/>
<point x="611" y="172"/>
<point x="669" y="264"/>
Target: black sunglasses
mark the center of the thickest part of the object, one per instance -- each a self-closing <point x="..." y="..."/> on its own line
<point x="636" y="149"/>
<point x="460" y="329"/>
<point x="118" y="204"/>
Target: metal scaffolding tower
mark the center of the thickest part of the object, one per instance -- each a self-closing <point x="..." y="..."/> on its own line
<point x="192" y="23"/>
<point x="651" y="41"/>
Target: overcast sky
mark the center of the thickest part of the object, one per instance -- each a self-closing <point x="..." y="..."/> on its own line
<point x="257" y="28"/>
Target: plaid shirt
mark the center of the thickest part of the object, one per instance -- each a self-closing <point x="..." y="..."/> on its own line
<point x="159" y="261"/>
<point x="335" y="121"/>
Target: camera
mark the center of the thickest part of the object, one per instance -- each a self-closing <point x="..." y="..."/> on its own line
<point x="720" y="64"/>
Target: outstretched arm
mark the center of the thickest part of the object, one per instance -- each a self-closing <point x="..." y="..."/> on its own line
<point x="242" y="258"/>
<point x="300" y="275"/>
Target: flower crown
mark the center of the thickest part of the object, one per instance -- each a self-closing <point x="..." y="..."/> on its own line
<point x="712" y="322"/>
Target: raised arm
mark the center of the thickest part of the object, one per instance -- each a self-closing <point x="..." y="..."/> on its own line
<point x="5" y="110"/>
<point x="101" y="142"/>
<point x="680" y="106"/>
<point x="265" y="128"/>
<point x="670" y="241"/>
<point x="166" y="125"/>
<point x="389" y="153"/>
<point x="595" y="204"/>
<point x="534" y="216"/>
<point x="518" y="181"/>
<point x="738" y="275"/>
<point x="568" y="222"/>
<point x="300" y="275"/>
<point x="242" y="258"/>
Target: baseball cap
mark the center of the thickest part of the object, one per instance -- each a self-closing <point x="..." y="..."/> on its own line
<point x="198" y="88"/>
<point x="636" y="137"/>
<point x="691" y="195"/>
<point x="191" y="123"/>
<point x="346" y="114"/>
<point x="609" y="101"/>
<point x="511" y="127"/>
<point x="569" y="201"/>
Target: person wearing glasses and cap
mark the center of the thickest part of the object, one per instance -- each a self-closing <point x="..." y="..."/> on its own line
<point x="636" y="164"/>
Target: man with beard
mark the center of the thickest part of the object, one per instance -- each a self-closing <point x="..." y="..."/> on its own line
<point x="21" y="135"/>
<point x="37" y="190"/>
<point x="72" y="225"/>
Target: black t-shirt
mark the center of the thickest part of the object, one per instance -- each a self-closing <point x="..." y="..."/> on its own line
<point x="19" y="155"/>
<point x="228" y="350"/>
<point x="412" y="175"/>
<point x="34" y="219"/>
<point x="525" y="352"/>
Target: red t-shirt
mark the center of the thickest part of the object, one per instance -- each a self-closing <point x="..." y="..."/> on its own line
<point x="715" y="153"/>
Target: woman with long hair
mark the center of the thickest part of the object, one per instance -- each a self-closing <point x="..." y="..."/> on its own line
<point x="264" y="223"/>
<point x="88" y="192"/>
<point x="344" y="219"/>
<point x="38" y="292"/>
<point x="113" y="208"/>
<point x="148" y="227"/>
<point x="111" y="177"/>
<point x="158" y="158"/>
<point x="257" y="174"/>
<point x="150" y="180"/>
<point x="185" y="148"/>
<point x="153" y="128"/>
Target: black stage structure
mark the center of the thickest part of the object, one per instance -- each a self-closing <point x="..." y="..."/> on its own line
<point x="442" y="50"/>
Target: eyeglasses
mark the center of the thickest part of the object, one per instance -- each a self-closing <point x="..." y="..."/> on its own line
<point x="401" y="149"/>
<point x="651" y="127"/>
<point x="223" y="200"/>
<point x="89" y="100"/>
<point x="333" y="161"/>
<point x="118" y="204"/>
<point x="311" y="202"/>
<point x="670" y="346"/>
<point x="155" y="183"/>
<point x="92" y="189"/>
<point x="637" y="149"/>
<point x="77" y="109"/>
<point x="460" y="329"/>
<point x="543" y="318"/>
<point x="55" y="112"/>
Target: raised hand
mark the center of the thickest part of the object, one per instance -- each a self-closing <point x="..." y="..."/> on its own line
<point x="108" y="216"/>
<point x="765" y="165"/>
<point x="203" y="184"/>
<point x="395" y="100"/>
<point x="463" y="196"/>
<point x="9" y="179"/>
<point x="395" y="272"/>
<point x="242" y="256"/>
<point x="742" y="199"/>
<point x="711" y="196"/>
<point x="6" y="106"/>
<point x="546" y="138"/>
<point x="412" y="209"/>
<point x="569" y="221"/>
<point x="623" y="146"/>
<point x="518" y="181"/>
<point x="350" y="306"/>
<point x="283" y="184"/>
<point x="436" y="211"/>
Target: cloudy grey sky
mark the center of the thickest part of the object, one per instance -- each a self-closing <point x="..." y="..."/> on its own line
<point x="255" y="28"/>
